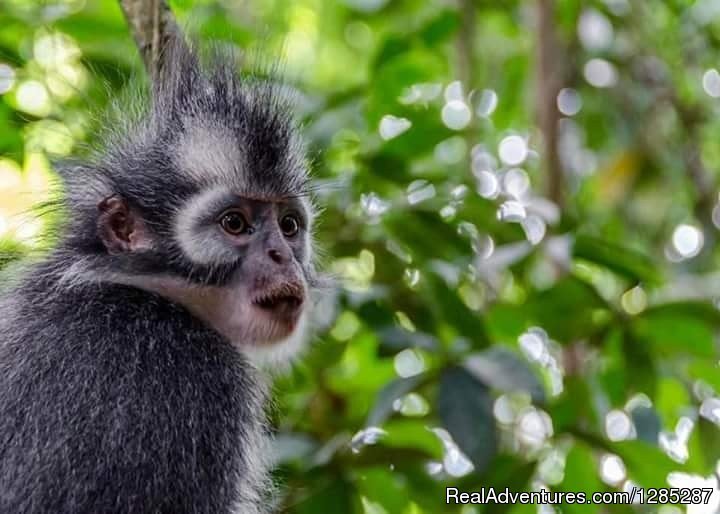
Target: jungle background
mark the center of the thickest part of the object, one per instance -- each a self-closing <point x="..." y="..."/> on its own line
<point x="520" y="207"/>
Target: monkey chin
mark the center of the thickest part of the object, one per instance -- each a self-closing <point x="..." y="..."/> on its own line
<point x="270" y="328"/>
<point x="277" y="352"/>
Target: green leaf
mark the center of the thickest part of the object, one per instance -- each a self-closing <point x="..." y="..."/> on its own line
<point x="709" y="434"/>
<point x="506" y="322"/>
<point x="705" y="370"/>
<point x="641" y="366"/>
<point x="466" y="411"/>
<point x="568" y="310"/>
<point x="383" y="487"/>
<point x="624" y="261"/>
<point x="451" y="309"/>
<point x="331" y="495"/>
<point x="613" y="374"/>
<point x="436" y="31"/>
<point x="440" y="28"/>
<point x="393" y="339"/>
<point x="505" y="471"/>
<point x="412" y="433"/>
<point x="672" y="400"/>
<point x="581" y="476"/>
<point x="647" y="465"/>
<point x="674" y="332"/>
<point x="398" y="388"/>
<point x="575" y="404"/>
<point x="701" y="311"/>
<point x="398" y="73"/>
<point x="503" y="370"/>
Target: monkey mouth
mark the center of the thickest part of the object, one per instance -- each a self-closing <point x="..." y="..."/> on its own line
<point x="284" y="301"/>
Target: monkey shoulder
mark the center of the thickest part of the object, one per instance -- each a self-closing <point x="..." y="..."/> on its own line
<point x="116" y="400"/>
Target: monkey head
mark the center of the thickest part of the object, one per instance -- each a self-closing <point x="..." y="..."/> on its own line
<point x="201" y="196"/>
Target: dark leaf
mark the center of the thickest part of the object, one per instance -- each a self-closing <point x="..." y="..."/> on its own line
<point x="466" y="410"/>
<point x="398" y="388"/>
<point x="647" y="424"/>
<point x="395" y="339"/>
<point x="502" y="369"/>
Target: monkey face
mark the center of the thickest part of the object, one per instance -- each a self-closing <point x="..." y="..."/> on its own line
<point x="267" y="245"/>
<point x="261" y="248"/>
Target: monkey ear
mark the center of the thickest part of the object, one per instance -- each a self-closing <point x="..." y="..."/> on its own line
<point x="120" y="228"/>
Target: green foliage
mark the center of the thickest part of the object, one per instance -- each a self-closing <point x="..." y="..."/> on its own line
<point x="536" y="346"/>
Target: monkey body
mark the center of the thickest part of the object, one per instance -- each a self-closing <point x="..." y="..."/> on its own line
<point x="105" y="417"/>
<point x="125" y="382"/>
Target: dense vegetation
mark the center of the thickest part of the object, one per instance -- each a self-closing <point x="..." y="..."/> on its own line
<point x="521" y="209"/>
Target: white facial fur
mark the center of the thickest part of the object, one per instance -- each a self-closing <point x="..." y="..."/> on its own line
<point x="202" y="244"/>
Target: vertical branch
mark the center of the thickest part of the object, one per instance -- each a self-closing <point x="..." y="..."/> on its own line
<point x="152" y="25"/>
<point x="464" y="46"/>
<point x="548" y="87"/>
<point x="465" y="42"/>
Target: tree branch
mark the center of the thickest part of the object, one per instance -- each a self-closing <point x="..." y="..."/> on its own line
<point x="464" y="46"/>
<point x="548" y="87"/>
<point x="152" y="25"/>
<point x="465" y="41"/>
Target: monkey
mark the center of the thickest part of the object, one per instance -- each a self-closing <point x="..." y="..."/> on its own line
<point x="128" y="381"/>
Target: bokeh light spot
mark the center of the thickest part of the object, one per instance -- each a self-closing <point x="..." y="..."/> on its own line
<point x="569" y="102"/>
<point x="600" y="73"/>
<point x="392" y="126"/>
<point x="513" y="150"/>
<point x="456" y="114"/>
<point x="7" y="78"/>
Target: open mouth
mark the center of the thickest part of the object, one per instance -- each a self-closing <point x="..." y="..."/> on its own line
<point x="285" y="299"/>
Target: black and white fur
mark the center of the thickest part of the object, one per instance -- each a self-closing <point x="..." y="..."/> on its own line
<point x="123" y="388"/>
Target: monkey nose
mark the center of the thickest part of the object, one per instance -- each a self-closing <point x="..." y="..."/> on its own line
<point x="277" y="256"/>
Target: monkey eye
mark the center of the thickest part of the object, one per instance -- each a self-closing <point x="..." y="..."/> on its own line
<point x="233" y="222"/>
<point x="289" y="225"/>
